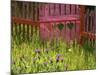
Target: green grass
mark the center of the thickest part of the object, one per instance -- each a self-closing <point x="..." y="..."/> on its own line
<point x="74" y="56"/>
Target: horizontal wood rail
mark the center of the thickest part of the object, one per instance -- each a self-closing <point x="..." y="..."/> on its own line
<point x="31" y="22"/>
<point x="38" y="23"/>
<point x="23" y="21"/>
<point x="89" y="35"/>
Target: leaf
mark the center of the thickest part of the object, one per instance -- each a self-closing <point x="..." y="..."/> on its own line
<point x="60" y="26"/>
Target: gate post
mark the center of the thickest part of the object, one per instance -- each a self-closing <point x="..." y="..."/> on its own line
<point x="82" y="12"/>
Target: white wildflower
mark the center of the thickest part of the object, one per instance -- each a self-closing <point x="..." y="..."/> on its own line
<point x="69" y="50"/>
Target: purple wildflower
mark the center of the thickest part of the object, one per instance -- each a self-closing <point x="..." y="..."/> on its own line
<point x="38" y="51"/>
<point x="58" y="55"/>
<point x="57" y="59"/>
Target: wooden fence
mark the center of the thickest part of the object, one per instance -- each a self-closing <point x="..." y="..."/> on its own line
<point x="26" y="10"/>
<point x="46" y="28"/>
<point x="47" y="16"/>
<point x="89" y="26"/>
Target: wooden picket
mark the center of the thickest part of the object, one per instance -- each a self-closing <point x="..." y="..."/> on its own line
<point x="30" y="15"/>
<point x="89" y="25"/>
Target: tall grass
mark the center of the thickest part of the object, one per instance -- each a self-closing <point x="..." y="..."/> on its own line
<point x="33" y="56"/>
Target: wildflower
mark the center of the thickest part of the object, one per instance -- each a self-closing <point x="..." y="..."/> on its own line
<point x="58" y="55"/>
<point x="45" y="63"/>
<point x="69" y="50"/>
<point x="34" y="59"/>
<point x="47" y="50"/>
<point x="57" y="59"/>
<point x="38" y="51"/>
